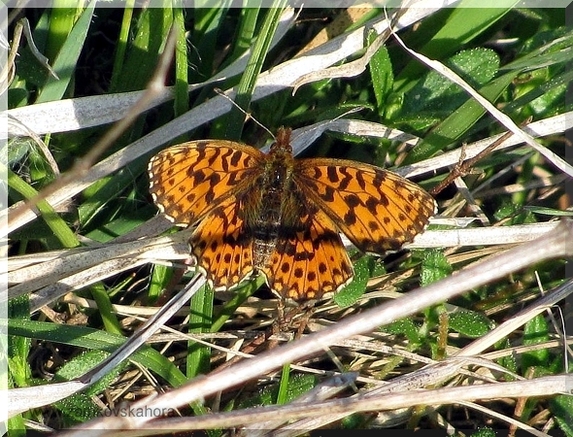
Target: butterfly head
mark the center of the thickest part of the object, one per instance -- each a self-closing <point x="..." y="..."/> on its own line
<point x="282" y="143"/>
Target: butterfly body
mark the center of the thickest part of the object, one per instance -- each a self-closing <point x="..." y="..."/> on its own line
<point x="265" y="221"/>
<point x="280" y="216"/>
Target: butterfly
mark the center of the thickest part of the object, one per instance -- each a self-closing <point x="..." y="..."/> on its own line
<point x="271" y="214"/>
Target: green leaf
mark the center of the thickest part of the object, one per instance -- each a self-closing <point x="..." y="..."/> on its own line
<point x="235" y="120"/>
<point x="125" y="223"/>
<point x="200" y="321"/>
<point x="160" y="277"/>
<point x="404" y="327"/>
<point x="298" y="385"/>
<point x="356" y="288"/>
<point x="381" y="74"/>
<point x="208" y="23"/>
<point x="152" y="28"/>
<point x="282" y="396"/>
<point x="19" y="347"/>
<point x="84" y="362"/>
<point x="76" y="409"/>
<point x="122" y="43"/>
<point x="470" y="323"/>
<point x="435" y="266"/>
<point x="59" y="227"/>
<point x="181" y="62"/>
<point x="552" y="212"/>
<point x="442" y="34"/>
<point x="544" y="49"/>
<point x="434" y="97"/>
<point x="459" y="122"/>
<point x="64" y="64"/>
<point x="562" y="409"/>
<point x="535" y="331"/>
<point x="484" y="432"/>
<point x="79" y="407"/>
<point x="94" y="339"/>
<point x="105" y="308"/>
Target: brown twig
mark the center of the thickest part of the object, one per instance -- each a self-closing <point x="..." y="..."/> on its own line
<point x="463" y="167"/>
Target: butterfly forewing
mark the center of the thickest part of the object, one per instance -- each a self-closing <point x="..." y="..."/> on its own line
<point x="376" y="209"/>
<point x="189" y="180"/>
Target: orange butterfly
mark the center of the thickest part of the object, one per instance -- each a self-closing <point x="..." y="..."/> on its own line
<point x="280" y="216"/>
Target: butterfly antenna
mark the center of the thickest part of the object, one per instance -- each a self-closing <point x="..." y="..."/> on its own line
<point x="249" y="116"/>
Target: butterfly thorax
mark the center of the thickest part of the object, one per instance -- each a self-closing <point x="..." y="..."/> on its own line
<point x="277" y="209"/>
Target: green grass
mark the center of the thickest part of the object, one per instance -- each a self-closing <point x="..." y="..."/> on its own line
<point x="516" y="58"/>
